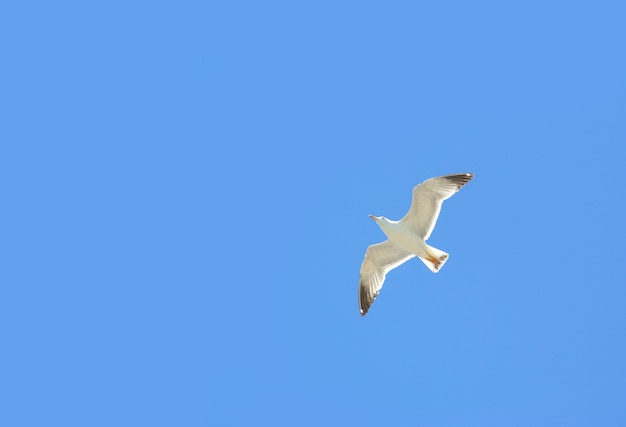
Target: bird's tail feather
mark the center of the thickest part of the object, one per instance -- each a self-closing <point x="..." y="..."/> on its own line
<point x="436" y="258"/>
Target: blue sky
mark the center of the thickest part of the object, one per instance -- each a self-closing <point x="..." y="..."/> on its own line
<point x="186" y="189"/>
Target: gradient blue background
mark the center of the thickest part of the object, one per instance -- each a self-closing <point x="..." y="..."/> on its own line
<point x="185" y="189"/>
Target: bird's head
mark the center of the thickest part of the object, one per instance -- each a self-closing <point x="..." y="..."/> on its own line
<point x="378" y="218"/>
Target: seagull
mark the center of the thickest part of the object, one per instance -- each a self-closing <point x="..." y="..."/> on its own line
<point x="407" y="238"/>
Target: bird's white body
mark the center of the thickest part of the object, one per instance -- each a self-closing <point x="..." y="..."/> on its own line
<point x="404" y="237"/>
<point x="407" y="237"/>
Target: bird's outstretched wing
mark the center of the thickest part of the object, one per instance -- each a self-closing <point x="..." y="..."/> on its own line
<point x="427" y="199"/>
<point x="379" y="260"/>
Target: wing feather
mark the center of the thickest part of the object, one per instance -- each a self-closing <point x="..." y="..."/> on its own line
<point x="428" y="198"/>
<point x="379" y="260"/>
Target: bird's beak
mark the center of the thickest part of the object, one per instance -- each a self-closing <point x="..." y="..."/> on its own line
<point x="373" y="217"/>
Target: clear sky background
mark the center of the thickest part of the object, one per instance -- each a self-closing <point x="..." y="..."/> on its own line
<point x="185" y="197"/>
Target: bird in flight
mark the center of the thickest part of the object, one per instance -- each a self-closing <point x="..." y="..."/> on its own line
<point x="407" y="238"/>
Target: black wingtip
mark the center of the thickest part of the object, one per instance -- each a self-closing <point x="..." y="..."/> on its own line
<point x="363" y="306"/>
<point x="460" y="179"/>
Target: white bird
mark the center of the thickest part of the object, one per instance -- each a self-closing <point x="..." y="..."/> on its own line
<point x="407" y="238"/>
